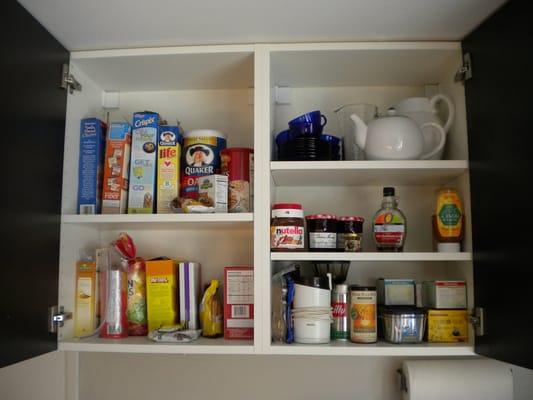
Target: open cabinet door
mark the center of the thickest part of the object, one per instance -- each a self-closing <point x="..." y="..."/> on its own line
<point x="500" y="131"/>
<point x="33" y="130"/>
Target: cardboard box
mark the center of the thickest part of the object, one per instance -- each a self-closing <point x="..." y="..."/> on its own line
<point x="446" y="326"/>
<point x="86" y="312"/>
<point x="168" y="167"/>
<point x="189" y="294"/>
<point x="396" y="292"/>
<point x="238" y="303"/>
<point x="141" y="197"/>
<point x="213" y="190"/>
<point x="116" y="169"/>
<point x="91" y="162"/>
<point x="444" y="294"/>
<point x="161" y="293"/>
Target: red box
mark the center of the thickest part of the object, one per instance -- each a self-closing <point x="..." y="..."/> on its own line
<point x="238" y="303"/>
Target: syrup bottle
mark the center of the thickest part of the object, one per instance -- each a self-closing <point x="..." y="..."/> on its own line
<point x="389" y="224"/>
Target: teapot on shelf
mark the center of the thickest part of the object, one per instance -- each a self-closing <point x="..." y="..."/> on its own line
<point x="395" y="137"/>
<point x="422" y="110"/>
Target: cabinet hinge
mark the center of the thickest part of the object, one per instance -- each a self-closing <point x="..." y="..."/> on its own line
<point x="57" y="317"/>
<point x="465" y="72"/>
<point x="68" y="82"/>
<point x="477" y="319"/>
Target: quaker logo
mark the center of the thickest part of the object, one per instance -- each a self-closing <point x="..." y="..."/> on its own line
<point x="167" y="138"/>
<point x="199" y="156"/>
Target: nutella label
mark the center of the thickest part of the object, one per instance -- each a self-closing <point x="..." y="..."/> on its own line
<point x="286" y="237"/>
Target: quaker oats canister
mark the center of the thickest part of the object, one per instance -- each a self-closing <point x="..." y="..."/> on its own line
<point x="237" y="164"/>
<point x="201" y="157"/>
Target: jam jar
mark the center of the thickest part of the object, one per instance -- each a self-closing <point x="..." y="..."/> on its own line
<point x="350" y="234"/>
<point x="287" y="230"/>
<point x="322" y="232"/>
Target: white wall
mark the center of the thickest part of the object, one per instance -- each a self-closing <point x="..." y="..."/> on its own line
<point x="139" y="377"/>
<point x="40" y="378"/>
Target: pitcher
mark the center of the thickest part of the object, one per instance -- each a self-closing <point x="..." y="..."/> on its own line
<point x="423" y="110"/>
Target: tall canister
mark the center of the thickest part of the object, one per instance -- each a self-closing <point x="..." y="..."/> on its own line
<point x="363" y="314"/>
<point x="340" y="330"/>
<point x="201" y="157"/>
<point x="237" y="163"/>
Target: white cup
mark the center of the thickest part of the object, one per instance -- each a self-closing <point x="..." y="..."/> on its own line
<point x="308" y="296"/>
<point x="308" y="330"/>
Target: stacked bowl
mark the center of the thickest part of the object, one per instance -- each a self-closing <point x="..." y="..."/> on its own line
<point x="304" y="140"/>
<point x="312" y="310"/>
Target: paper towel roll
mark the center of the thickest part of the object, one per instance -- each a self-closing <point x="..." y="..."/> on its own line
<point x="457" y="380"/>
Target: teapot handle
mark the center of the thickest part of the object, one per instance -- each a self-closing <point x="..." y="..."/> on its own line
<point x="442" y="141"/>
<point x="449" y="105"/>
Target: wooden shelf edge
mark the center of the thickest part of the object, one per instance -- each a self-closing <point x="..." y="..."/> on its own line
<point x="410" y="256"/>
<point x="157" y="218"/>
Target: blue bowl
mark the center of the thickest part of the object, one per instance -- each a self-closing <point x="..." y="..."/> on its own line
<point x="311" y="123"/>
<point x="284" y="137"/>
<point x="334" y="140"/>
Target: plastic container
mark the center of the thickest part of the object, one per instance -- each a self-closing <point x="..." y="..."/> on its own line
<point x="312" y="330"/>
<point x="308" y="296"/>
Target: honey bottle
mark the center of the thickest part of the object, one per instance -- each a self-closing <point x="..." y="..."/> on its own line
<point x="448" y="221"/>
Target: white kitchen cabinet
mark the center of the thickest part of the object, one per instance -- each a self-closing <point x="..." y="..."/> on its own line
<point x="210" y="87"/>
<point x="231" y="89"/>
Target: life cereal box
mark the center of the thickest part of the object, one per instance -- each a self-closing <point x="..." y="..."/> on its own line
<point x="143" y="165"/>
<point x="92" y="144"/>
<point x="168" y="166"/>
<point x="116" y="169"/>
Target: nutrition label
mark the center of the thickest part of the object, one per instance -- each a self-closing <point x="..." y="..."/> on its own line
<point x="240" y="287"/>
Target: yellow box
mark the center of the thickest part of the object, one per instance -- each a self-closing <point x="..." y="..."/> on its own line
<point x="161" y="293"/>
<point x="446" y="326"/>
<point x="168" y="167"/>
<point x="85" y="316"/>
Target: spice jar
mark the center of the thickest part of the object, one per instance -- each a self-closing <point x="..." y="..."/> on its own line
<point x="287" y="230"/>
<point x="350" y="234"/>
<point x="322" y="232"/>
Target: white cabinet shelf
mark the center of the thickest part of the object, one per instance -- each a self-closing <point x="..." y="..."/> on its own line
<point x="375" y="349"/>
<point x="303" y="256"/>
<point x="193" y="221"/>
<point x="366" y="173"/>
<point x="143" y="345"/>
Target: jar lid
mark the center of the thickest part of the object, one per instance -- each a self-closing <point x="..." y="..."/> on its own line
<point x="363" y="288"/>
<point x="403" y="311"/>
<point x="352" y="218"/>
<point x="284" y="206"/>
<point x="321" y="216"/>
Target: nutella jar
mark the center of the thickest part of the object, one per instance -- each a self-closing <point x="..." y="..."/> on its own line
<point x="322" y="232"/>
<point x="287" y="230"/>
<point x="350" y="234"/>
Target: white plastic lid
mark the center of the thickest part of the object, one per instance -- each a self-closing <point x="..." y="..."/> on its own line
<point x="449" y="247"/>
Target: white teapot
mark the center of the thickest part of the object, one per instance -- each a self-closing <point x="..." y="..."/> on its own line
<point x="394" y="137"/>
<point x="423" y="110"/>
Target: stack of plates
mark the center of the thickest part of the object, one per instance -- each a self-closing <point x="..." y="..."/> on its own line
<point x="307" y="148"/>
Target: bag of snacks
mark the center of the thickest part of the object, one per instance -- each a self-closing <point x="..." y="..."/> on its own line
<point x="211" y="316"/>
<point x="136" y="276"/>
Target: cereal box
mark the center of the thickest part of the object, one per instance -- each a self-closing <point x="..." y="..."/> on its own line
<point x="85" y="316"/>
<point x="116" y="169"/>
<point x="213" y="192"/>
<point x="238" y="303"/>
<point x="90" y="171"/>
<point x="161" y="293"/>
<point x="168" y="166"/>
<point x="447" y="326"/>
<point x="143" y="163"/>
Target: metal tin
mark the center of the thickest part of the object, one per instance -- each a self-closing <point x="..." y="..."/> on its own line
<point x="403" y="325"/>
<point x="340" y="329"/>
<point x="363" y="314"/>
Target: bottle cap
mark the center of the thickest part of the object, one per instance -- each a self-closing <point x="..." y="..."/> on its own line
<point x="388" y="191"/>
<point x="449" y="247"/>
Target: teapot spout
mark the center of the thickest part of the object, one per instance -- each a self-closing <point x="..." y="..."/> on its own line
<point x="360" y="130"/>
